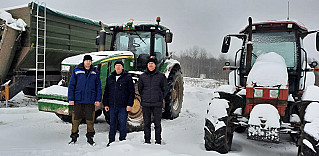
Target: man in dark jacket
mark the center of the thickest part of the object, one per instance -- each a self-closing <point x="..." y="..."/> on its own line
<point x="84" y="92"/>
<point x="118" y="98"/>
<point x="152" y="86"/>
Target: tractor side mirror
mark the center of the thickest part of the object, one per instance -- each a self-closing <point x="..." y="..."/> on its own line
<point x="169" y="37"/>
<point x="317" y="41"/>
<point x="226" y="44"/>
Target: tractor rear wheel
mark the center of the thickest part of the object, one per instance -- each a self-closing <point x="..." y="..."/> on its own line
<point x="174" y="98"/>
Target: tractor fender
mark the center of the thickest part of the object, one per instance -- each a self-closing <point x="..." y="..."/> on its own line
<point x="169" y="64"/>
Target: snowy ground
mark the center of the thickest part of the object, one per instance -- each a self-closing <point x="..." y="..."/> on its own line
<point x="26" y="131"/>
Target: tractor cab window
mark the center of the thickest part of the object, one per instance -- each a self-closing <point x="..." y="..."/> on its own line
<point x="159" y="48"/>
<point x="134" y="41"/>
<point x="283" y="43"/>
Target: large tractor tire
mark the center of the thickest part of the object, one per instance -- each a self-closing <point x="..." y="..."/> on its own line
<point x="308" y="141"/>
<point x="135" y="120"/>
<point x="218" y="134"/>
<point x="174" y="98"/>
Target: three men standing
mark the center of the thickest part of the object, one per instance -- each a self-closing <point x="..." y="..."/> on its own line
<point x="118" y="99"/>
<point x="84" y="92"/>
<point x="152" y="86"/>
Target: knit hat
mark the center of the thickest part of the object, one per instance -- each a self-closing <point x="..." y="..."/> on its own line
<point x="119" y="62"/>
<point x="151" y="60"/>
<point x="87" y="57"/>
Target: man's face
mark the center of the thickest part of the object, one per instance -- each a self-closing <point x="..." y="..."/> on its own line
<point x="87" y="64"/>
<point x="118" y="68"/>
<point x="151" y="66"/>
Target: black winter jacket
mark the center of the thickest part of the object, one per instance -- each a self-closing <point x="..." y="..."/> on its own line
<point x="152" y="88"/>
<point x="120" y="93"/>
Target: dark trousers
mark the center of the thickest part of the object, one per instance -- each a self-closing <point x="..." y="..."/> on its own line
<point x="83" y="111"/>
<point x="147" y="115"/>
<point x="118" y="115"/>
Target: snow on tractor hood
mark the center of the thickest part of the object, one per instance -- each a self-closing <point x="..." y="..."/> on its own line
<point x="269" y="70"/>
<point x="96" y="56"/>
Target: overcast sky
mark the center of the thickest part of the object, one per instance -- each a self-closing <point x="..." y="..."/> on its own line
<point x="201" y="23"/>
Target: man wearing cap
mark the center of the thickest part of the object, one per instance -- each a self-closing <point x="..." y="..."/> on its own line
<point x="152" y="86"/>
<point x="84" y="92"/>
<point x="118" y="99"/>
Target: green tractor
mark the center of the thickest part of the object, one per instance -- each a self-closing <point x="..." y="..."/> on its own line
<point x="133" y="44"/>
<point x="270" y="90"/>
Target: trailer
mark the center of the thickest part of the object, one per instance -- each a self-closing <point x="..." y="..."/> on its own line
<point x="30" y="60"/>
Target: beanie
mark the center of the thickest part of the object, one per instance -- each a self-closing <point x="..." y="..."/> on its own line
<point x="119" y="62"/>
<point x="151" y="60"/>
<point x="87" y="57"/>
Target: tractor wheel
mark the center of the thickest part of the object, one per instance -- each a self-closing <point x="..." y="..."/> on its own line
<point x="135" y="120"/>
<point x="304" y="149"/>
<point x="174" y="98"/>
<point x="309" y="143"/>
<point x="219" y="140"/>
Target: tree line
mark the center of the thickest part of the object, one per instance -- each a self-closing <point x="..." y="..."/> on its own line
<point x="195" y="61"/>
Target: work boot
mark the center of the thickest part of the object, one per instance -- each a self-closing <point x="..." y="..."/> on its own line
<point x="89" y="137"/>
<point x="147" y="142"/>
<point x="74" y="137"/>
<point x="158" y="142"/>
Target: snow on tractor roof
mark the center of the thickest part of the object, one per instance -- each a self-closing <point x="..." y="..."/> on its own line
<point x="298" y="24"/>
<point x="96" y="56"/>
<point x="269" y="70"/>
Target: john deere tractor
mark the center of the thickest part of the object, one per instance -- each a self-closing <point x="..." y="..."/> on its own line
<point x="270" y="90"/>
<point x="132" y="43"/>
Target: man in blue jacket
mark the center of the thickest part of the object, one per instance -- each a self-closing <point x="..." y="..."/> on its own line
<point x="118" y="98"/>
<point x="84" y="92"/>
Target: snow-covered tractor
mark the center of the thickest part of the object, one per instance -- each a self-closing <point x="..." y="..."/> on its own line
<point x="271" y="90"/>
<point x="133" y="44"/>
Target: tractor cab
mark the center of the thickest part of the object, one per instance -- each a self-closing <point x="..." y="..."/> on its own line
<point x="144" y="40"/>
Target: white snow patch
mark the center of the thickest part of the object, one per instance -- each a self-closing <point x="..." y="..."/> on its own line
<point x="171" y="63"/>
<point x="17" y="24"/>
<point x="226" y="89"/>
<point x="265" y="112"/>
<point x="269" y="70"/>
<point x="204" y="83"/>
<point x="96" y="56"/>
<point x="55" y="90"/>
<point x="311" y="93"/>
<point x="216" y="110"/>
<point x="53" y="101"/>
<point x="294" y="118"/>
<point x="307" y="143"/>
<point x="242" y="92"/>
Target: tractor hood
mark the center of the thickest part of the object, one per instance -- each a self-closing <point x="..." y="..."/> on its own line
<point x="96" y="56"/>
<point x="269" y="70"/>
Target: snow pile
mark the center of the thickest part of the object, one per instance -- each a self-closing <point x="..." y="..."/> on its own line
<point x="262" y="112"/>
<point x="96" y="56"/>
<point x="311" y="93"/>
<point x="312" y="116"/>
<point x="204" y="83"/>
<point x="269" y="70"/>
<point x="217" y="110"/>
<point x="170" y="64"/>
<point x="18" y="24"/>
<point x="226" y="89"/>
<point x="55" y="90"/>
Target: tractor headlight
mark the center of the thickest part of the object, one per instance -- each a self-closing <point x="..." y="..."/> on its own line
<point x="65" y="68"/>
<point x="273" y="93"/>
<point x="258" y="93"/>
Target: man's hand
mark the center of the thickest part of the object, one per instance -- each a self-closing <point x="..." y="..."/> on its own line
<point x="106" y="108"/>
<point x="97" y="103"/>
<point x="71" y="102"/>
<point x="128" y="108"/>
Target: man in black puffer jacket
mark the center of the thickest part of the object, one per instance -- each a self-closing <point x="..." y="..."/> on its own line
<point x="152" y="86"/>
<point x="118" y="98"/>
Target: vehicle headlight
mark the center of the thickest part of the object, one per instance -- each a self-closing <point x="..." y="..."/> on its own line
<point x="258" y="93"/>
<point x="273" y="93"/>
<point x="65" y="68"/>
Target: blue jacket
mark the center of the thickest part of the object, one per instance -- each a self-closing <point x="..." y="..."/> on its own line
<point x="120" y="93"/>
<point x="84" y="89"/>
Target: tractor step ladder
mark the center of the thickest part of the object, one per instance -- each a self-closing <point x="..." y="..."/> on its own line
<point x="41" y="20"/>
